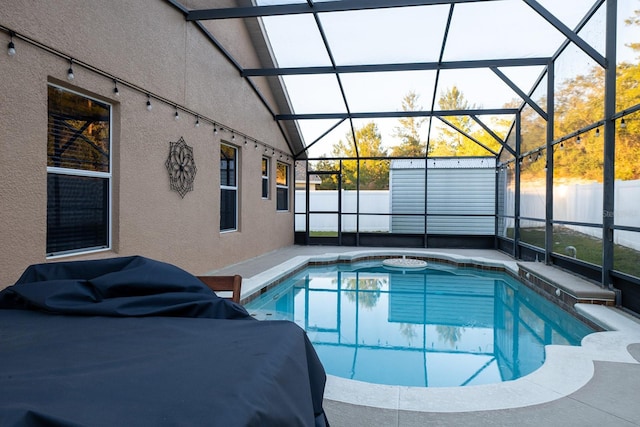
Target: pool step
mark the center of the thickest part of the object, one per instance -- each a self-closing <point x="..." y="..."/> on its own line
<point x="557" y="284"/>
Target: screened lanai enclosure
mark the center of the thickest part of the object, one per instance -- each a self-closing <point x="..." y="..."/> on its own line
<point x="506" y="124"/>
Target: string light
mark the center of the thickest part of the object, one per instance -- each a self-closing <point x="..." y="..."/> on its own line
<point x="70" y="75"/>
<point x="597" y="132"/>
<point x="11" y="51"/>
<point x="623" y="125"/>
<point x="562" y="145"/>
<point x="11" y="48"/>
<point x="578" y="140"/>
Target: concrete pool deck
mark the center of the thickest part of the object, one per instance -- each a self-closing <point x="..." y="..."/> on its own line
<point x="597" y="383"/>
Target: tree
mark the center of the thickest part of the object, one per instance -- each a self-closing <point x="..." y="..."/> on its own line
<point x="408" y="130"/>
<point x="374" y="175"/>
<point x="634" y="20"/>
<point x="367" y="291"/>
<point x="579" y="102"/>
<point x="451" y="142"/>
<point x="628" y="94"/>
<point x="327" y="182"/>
<point x="453" y="99"/>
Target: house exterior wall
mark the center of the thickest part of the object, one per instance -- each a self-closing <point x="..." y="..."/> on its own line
<point x="149" y="44"/>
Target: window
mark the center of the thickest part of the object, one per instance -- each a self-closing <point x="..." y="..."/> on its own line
<point x="265" y="178"/>
<point x="228" y="188"/>
<point x="78" y="173"/>
<point x="282" y="187"/>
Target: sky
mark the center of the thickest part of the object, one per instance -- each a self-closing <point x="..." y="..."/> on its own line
<point x="482" y="30"/>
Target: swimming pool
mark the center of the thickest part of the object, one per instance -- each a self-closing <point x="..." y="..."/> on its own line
<point x="444" y="326"/>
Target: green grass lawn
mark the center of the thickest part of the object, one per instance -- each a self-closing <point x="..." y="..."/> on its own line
<point x="588" y="248"/>
<point x="323" y="234"/>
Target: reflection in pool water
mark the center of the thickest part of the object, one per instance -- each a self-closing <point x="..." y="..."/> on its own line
<point x="443" y="326"/>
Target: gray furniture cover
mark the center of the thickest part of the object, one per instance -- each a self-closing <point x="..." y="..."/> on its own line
<point x="135" y="342"/>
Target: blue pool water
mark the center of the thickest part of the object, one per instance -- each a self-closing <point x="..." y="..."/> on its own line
<point x="443" y="326"/>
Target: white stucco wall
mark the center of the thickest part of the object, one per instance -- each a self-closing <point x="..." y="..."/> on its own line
<point x="149" y="44"/>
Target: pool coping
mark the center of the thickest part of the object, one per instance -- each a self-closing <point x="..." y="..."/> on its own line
<point x="566" y="368"/>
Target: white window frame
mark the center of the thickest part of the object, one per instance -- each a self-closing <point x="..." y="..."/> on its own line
<point x="232" y="188"/>
<point x="285" y="187"/>
<point x="91" y="174"/>
<point x="265" y="177"/>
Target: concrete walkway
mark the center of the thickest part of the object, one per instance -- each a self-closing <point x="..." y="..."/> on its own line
<point x="596" y="384"/>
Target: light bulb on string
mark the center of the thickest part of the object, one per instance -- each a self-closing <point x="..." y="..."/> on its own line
<point x="11" y="48"/>
<point x="116" y="92"/>
<point x="149" y="106"/>
<point x="623" y="124"/>
<point x="70" y="75"/>
<point x="197" y="124"/>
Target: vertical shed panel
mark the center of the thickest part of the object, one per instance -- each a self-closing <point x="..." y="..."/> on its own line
<point x="460" y="197"/>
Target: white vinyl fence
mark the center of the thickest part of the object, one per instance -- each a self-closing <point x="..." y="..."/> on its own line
<point x="325" y="203"/>
<point x="371" y="201"/>
<point x="572" y="202"/>
<point x="582" y="202"/>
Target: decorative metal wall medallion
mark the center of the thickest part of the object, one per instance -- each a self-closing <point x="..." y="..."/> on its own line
<point x="181" y="167"/>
